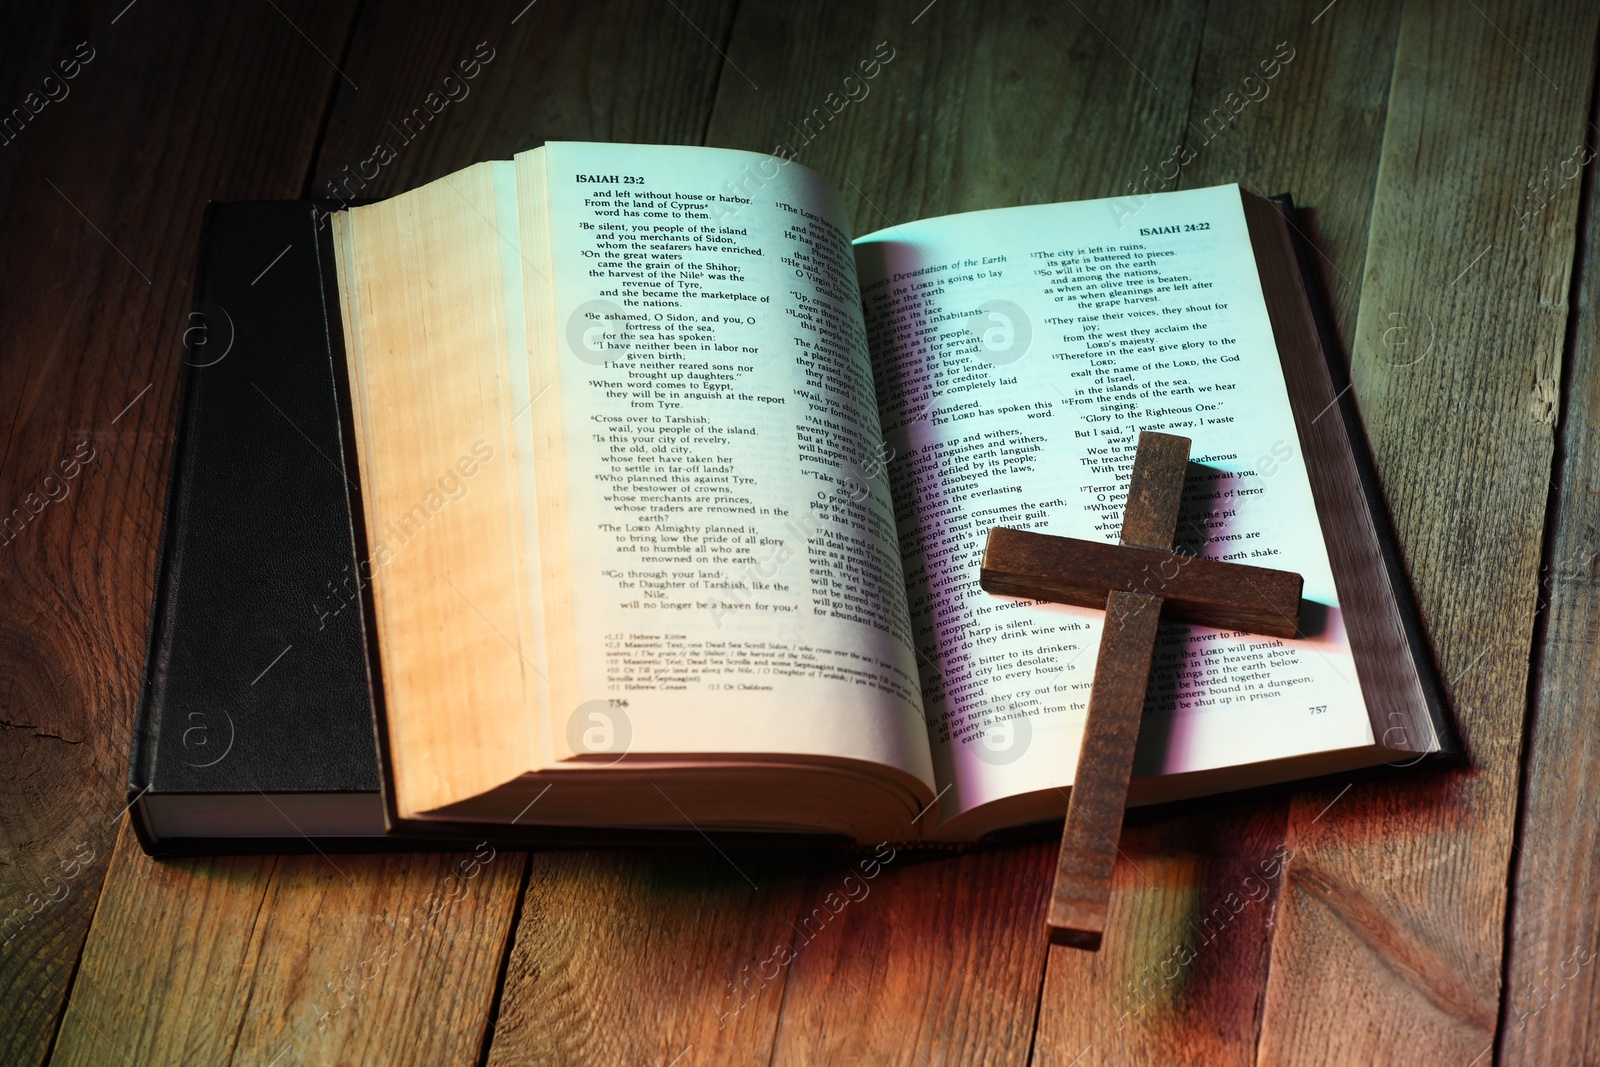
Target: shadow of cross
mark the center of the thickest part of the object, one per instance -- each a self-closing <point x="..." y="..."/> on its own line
<point x="1134" y="581"/>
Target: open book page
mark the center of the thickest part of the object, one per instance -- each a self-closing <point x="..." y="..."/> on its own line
<point x="720" y="553"/>
<point x="1019" y="351"/>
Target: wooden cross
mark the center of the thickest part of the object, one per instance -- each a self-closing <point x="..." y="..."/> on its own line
<point x="1133" y="582"/>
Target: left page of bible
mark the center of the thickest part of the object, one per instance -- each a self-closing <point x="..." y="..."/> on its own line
<point x="721" y="572"/>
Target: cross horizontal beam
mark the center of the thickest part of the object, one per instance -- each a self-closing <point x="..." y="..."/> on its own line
<point x="1067" y="570"/>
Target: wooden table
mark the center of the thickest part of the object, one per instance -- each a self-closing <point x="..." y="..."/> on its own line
<point x="1431" y="919"/>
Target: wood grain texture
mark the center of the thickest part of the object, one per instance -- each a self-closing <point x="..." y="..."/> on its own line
<point x="100" y="200"/>
<point x="626" y="70"/>
<point x="1069" y="570"/>
<point x="292" y="959"/>
<point x="1188" y="933"/>
<point x="1551" y="996"/>
<point x="937" y="961"/>
<point x="983" y="105"/>
<point x="1393" y="908"/>
<point x="1317" y="134"/>
<point x="651" y="957"/>
<point x="1316" y="129"/>
<point x="1082" y="887"/>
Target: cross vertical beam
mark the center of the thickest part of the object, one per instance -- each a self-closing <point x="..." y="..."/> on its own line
<point x="1082" y="889"/>
<point x="1134" y="581"/>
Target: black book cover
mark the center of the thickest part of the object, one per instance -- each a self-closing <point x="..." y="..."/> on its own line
<point x="254" y="726"/>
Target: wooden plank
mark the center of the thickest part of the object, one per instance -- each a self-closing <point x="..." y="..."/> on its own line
<point x="1188" y="933"/>
<point x="100" y="197"/>
<point x="618" y="71"/>
<point x="651" y="957"/>
<point x="1076" y="915"/>
<point x="979" y="107"/>
<point x="1394" y="905"/>
<point x="936" y="961"/>
<point x="1551" y="995"/>
<point x="1182" y="973"/>
<point x="291" y="959"/>
<point x="255" y="971"/>
<point x="1314" y="129"/>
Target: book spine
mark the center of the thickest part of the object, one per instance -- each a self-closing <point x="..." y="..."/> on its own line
<point x="152" y="687"/>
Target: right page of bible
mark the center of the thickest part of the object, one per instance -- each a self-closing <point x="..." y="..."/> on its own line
<point x="1018" y="352"/>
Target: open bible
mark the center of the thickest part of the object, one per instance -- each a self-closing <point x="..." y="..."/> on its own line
<point x="673" y="496"/>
